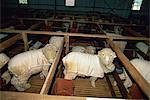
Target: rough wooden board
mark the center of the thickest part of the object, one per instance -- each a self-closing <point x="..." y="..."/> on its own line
<point x="116" y="89"/>
<point x="83" y="88"/>
<point x="36" y="80"/>
<point x="5" y="95"/>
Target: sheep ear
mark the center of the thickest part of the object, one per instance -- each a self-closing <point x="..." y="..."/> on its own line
<point x="114" y="55"/>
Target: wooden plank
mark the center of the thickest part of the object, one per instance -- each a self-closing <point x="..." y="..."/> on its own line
<point x="67" y="44"/>
<point x="82" y="87"/>
<point x="143" y="84"/>
<point x="10" y="42"/>
<point x="51" y="72"/>
<point x="25" y="40"/>
<point x="120" y="85"/>
<point x="110" y="86"/>
<point x="5" y="95"/>
<point x="77" y="34"/>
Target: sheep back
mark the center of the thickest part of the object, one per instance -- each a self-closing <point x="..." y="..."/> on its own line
<point x="27" y="62"/>
<point x="82" y="63"/>
<point x="143" y="67"/>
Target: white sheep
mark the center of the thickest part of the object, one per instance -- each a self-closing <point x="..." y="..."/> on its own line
<point x="6" y="76"/>
<point x="23" y="65"/>
<point x="81" y="64"/>
<point x="35" y="46"/>
<point x="3" y="59"/>
<point x="90" y="50"/>
<point x="78" y="49"/>
<point x="87" y="49"/>
<point x="143" y="66"/>
<point x="56" y="41"/>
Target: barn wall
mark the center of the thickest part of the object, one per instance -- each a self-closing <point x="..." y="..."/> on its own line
<point x="116" y="7"/>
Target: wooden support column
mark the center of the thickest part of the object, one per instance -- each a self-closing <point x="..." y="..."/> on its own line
<point x="25" y="40"/>
<point x="143" y="84"/>
<point x="46" y="25"/>
<point x="67" y="44"/>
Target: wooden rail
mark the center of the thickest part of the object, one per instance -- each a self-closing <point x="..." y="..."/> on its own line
<point x="64" y="20"/>
<point x="17" y="37"/>
<point x="10" y="42"/>
<point x="51" y="72"/>
<point x="77" y="34"/>
<point x="5" y="95"/>
<point x="143" y="84"/>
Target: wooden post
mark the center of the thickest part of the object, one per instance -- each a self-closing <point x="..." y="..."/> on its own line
<point x="46" y="25"/>
<point x="25" y="40"/>
<point x="67" y="44"/>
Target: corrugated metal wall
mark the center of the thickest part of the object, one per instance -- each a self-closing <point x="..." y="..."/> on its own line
<point x="117" y="7"/>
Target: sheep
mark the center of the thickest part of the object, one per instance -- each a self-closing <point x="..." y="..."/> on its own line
<point x="35" y="46"/>
<point x="3" y="59"/>
<point x="6" y="76"/>
<point x="81" y="64"/>
<point x="142" y="47"/>
<point x="78" y="49"/>
<point x="90" y="50"/>
<point x="143" y="66"/>
<point x="87" y="49"/>
<point x="56" y="41"/>
<point x="120" y="44"/>
<point x="25" y="64"/>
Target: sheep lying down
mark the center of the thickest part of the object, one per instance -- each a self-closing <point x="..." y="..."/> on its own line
<point x="81" y="64"/>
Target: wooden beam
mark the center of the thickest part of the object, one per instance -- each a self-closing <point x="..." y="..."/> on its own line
<point x="5" y="95"/>
<point x="143" y="84"/>
<point x="135" y="34"/>
<point x="10" y="42"/>
<point x="43" y="19"/>
<point x="63" y="20"/>
<point x="49" y="78"/>
<point x="77" y="34"/>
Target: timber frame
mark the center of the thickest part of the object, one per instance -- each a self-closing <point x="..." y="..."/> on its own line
<point x="23" y="34"/>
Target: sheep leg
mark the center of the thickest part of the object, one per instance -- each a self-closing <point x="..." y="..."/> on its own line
<point x="93" y="79"/>
<point x="19" y="88"/>
<point x="22" y="87"/>
<point x="44" y="72"/>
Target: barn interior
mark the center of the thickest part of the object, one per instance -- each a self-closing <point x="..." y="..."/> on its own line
<point x="30" y="25"/>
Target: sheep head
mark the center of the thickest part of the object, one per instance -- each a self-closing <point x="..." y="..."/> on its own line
<point x="50" y="52"/>
<point x="107" y="56"/>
